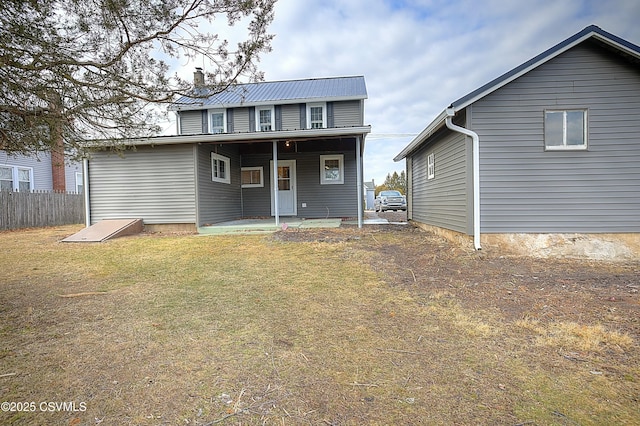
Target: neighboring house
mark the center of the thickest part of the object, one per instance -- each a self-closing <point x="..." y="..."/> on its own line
<point x="370" y="194"/>
<point x="550" y="147"/>
<point x="38" y="172"/>
<point x="220" y="166"/>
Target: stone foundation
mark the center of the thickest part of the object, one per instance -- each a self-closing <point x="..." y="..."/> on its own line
<point x="584" y="246"/>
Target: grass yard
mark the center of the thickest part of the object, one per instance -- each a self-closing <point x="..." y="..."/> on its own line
<point x="336" y="327"/>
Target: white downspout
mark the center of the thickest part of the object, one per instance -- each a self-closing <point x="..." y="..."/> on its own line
<point x="476" y="173"/>
<point x="276" y="201"/>
<point x="85" y="183"/>
<point x="359" y="183"/>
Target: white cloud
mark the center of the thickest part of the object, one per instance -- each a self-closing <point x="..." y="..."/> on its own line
<point x="418" y="56"/>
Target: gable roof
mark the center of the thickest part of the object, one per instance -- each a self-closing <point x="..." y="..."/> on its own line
<point x="623" y="47"/>
<point x="279" y="92"/>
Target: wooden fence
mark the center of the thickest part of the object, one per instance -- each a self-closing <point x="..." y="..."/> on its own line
<point x="37" y="209"/>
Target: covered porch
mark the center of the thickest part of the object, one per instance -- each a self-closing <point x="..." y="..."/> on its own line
<point x="296" y="177"/>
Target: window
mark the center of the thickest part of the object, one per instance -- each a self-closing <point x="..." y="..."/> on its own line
<point x="565" y="129"/>
<point x="316" y="116"/>
<point x="431" y="170"/>
<point x="265" y="119"/>
<point x="220" y="168"/>
<point x="251" y="177"/>
<point x="79" y="182"/>
<point x="331" y="169"/>
<point x="217" y="122"/>
<point x="18" y="179"/>
<point x="6" y="178"/>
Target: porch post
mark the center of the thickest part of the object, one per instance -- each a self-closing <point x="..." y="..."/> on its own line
<point x="359" y="179"/>
<point x="276" y="202"/>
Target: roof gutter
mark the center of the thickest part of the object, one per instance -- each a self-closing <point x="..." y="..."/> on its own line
<point x="476" y="173"/>
<point x="236" y="137"/>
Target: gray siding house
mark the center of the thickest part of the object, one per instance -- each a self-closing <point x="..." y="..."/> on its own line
<point x="269" y="149"/>
<point x="39" y="172"/>
<point x="550" y="147"/>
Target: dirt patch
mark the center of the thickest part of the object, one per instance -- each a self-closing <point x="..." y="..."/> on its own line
<point x="516" y="286"/>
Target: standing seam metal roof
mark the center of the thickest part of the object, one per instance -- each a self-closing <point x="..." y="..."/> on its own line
<point x="320" y="89"/>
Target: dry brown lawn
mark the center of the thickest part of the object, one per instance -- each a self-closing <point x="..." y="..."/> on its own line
<point x="385" y="325"/>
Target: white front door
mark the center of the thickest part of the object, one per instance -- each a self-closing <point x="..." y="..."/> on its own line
<point x="287" y="199"/>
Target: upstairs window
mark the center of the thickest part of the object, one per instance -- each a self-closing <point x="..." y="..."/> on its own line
<point x="265" y="119"/>
<point x="217" y="122"/>
<point x="565" y="130"/>
<point x="220" y="171"/>
<point x="317" y="116"/>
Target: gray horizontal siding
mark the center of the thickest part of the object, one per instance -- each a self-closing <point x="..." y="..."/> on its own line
<point x="241" y="120"/>
<point x="291" y="117"/>
<point x="442" y="201"/>
<point x="40" y="164"/>
<point x="218" y="202"/>
<point x="156" y="184"/>
<point x="524" y="188"/>
<point x="321" y="200"/>
<point x="191" y="122"/>
<point x="347" y="114"/>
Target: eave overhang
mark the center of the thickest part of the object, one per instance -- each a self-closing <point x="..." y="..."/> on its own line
<point x="248" y="137"/>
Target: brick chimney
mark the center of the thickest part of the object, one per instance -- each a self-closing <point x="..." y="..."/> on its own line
<point x="198" y="77"/>
<point x="57" y="165"/>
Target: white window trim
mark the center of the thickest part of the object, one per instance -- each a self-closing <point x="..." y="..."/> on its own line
<point x="324" y="114"/>
<point x="564" y="146"/>
<point x="273" y="117"/>
<point x="79" y="181"/>
<point x="224" y="119"/>
<point x="15" y="176"/>
<point x="323" y="180"/>
<point x="254" y="185"/>
<point x="431" y="166"/>
<point x="227" y="177"/>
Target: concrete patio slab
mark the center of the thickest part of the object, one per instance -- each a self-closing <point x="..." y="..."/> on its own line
<point x="264" y="226"/>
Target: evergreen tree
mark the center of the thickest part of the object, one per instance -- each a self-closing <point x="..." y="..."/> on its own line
<point x="84" y="69"/>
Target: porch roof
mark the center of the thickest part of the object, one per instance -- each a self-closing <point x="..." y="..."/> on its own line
<point x="248" y="137"/>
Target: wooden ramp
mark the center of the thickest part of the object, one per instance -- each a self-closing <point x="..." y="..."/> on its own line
<point x="106" y="229"/>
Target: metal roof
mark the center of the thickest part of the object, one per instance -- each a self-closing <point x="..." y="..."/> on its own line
<point x="272" y="92"/>
<point x="623" y="47"/>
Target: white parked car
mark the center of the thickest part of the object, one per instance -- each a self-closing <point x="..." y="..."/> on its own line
<point x="390" y="200"/>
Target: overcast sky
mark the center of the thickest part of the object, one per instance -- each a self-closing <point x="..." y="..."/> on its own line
<point x="418" y="56"/>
